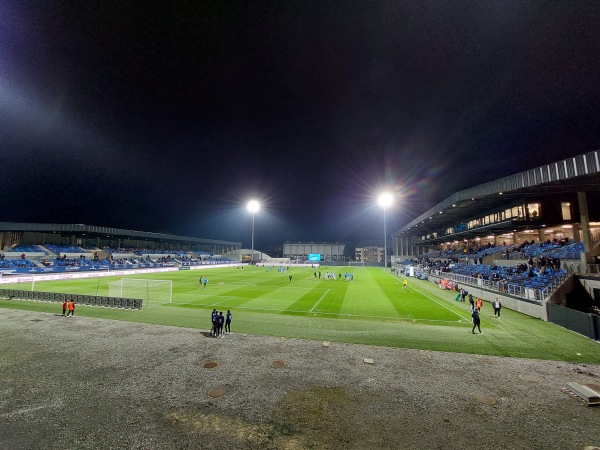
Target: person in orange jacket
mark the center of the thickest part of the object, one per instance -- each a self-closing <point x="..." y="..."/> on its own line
<point x="478" y="304"/>
<point x="64" y="306"/>
<point x="71" y="307"/>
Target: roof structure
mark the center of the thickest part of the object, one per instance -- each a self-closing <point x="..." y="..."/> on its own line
<point x="577" y="174"/>
<point x="91" y="230"/>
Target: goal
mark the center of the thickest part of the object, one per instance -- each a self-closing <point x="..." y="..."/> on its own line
<point x="19" y="284"/>
<point x="356" y="264"/>
<point x="152" y="292"/>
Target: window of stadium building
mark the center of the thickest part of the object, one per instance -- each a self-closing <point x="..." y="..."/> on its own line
<point x="534" y="211"/>
<point x="516" y="212"/>
<point x="566" y="210"/>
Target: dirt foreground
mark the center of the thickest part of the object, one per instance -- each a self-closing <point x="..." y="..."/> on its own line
<point x="85" y="383"/>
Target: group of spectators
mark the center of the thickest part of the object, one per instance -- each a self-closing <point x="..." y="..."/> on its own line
<point x="543" y="270"/>
<point x="220" y="324"/>
<point x="62" y="261"/>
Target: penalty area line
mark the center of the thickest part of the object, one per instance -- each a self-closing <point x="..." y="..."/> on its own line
<point x="434" y="300"/>
<point x="222" y="301"/>
<point x="322" y="297"/>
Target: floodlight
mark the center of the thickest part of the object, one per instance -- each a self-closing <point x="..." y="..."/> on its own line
<point x="253" y="206"/>
<point x="385" y="199"/>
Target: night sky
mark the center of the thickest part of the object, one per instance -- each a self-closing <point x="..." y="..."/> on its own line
<point x="169" y="117"/>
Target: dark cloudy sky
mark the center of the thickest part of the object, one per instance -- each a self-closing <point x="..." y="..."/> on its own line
<point x="170" y="116"/>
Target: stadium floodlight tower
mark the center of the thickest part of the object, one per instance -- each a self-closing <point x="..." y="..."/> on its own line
<point x="253" y="207"/>
<point x="385" y="200"/>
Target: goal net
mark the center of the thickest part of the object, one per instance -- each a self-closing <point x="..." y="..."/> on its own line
<point x="152" y="292"/>
<point x="356" y="264"/>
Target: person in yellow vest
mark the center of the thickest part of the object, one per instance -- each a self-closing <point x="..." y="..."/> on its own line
<point x="405" y="284"/>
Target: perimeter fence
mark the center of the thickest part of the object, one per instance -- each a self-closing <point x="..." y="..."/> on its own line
<point x="92" y="300"/>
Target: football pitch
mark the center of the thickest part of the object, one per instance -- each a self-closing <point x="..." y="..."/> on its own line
<point x="372" y="308"/>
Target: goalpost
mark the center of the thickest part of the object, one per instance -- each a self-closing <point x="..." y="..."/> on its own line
<point x="152" y="292"/>
<point x="21" y="284"/>
<point x="356" y="264"/>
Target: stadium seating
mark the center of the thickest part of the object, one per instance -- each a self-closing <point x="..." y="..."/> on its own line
<point x="60" y="249"/>
<point x="27" y="249"/>
<point x="16" y="264"/>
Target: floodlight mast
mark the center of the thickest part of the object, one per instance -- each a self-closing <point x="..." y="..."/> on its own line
<point x="253" y="207"/>
<point x="385" y="199"/>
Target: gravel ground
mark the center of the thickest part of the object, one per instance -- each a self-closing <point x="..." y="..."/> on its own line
<point x="91" y="383"/>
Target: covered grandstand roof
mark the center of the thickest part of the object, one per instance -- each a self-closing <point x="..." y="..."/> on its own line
<point x="81" y="229"/>
<point x="577" y="174"/>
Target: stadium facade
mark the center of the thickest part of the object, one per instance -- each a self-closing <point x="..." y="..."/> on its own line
<point x="329" y="251"/>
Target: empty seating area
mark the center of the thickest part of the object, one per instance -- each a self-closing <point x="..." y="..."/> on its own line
<point x="571" y="250"/>
<point x="61" y="249"/>
<point x="9" y="264"/>
<point x="27" y="249"/>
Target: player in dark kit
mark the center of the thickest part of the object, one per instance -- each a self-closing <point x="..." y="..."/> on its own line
<point x="228" y="322"/>
<point x="214" y="320"/>
<point x="220" y="322"/>
<point x="476" y="321"/>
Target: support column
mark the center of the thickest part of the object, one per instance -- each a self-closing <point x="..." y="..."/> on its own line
<point x="541" y="237"/>
<point x="577" y="237"/>
<point x="584" y="219"/>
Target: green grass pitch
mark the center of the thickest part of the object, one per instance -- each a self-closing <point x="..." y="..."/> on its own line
<point x="372" y="309"/>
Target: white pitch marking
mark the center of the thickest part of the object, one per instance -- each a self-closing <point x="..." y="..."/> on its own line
<point x="322" y="297"/>
<point x="433" y="300"/>
<point x="222" y="301"/>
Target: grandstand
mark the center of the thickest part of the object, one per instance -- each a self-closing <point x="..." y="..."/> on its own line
<point x="55" y="248"/>
<point x="528" y="238"/>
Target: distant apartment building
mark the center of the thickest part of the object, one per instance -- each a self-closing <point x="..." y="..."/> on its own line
<point x="370" y="252"/>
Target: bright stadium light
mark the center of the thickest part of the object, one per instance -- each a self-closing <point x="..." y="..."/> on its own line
<point x="253" y="207"/>
<point x="385" y="200"/>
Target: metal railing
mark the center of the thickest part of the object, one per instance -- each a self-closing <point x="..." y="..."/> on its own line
<point x="502" y="287"/>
